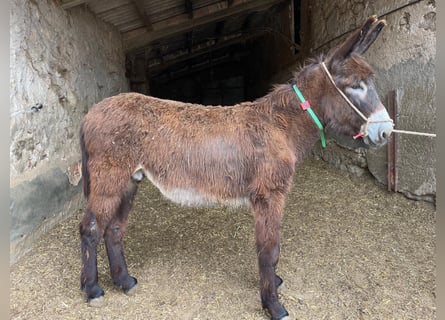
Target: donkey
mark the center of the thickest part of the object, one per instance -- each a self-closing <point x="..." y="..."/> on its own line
<point x="203" y="155"/>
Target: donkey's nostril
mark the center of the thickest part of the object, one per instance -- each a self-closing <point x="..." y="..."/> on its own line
<point x="385" y="134"/>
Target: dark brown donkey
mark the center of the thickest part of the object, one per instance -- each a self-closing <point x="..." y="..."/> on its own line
<point x="203" y="155"/>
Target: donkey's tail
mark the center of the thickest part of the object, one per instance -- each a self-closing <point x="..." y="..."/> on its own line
<point x="85" y="170"/>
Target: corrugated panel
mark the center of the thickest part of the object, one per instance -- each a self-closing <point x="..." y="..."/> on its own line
<point x="100" y="6"/>
<point x="130" y="25"/>
<point x="121" y="13"/>
<point x="66" y="4"/>
<point x="162" y="10"/>
<point x="120" y="16"/>
<point x="124" y="15"/>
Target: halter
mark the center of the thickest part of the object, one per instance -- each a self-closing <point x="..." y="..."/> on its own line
<point x="364" y="129"/>
<point x="306" y="106"/>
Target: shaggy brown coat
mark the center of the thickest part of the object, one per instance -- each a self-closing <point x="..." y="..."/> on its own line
<point x="204" y="155"/>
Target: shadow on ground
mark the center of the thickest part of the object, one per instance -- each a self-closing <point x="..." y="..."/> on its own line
<point x="350" y="250"/>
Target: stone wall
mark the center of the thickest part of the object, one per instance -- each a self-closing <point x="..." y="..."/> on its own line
<point x="61" y="62"/>
<point x="404" y="59"/>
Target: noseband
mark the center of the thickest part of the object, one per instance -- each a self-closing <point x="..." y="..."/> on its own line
<point x="364" y="128"/>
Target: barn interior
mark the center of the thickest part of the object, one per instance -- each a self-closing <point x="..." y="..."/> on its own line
<point x="67" y="55"/>
<point x="355" y="244"/>
<point x="207" y="51"/>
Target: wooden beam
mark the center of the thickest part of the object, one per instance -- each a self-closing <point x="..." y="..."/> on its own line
<point x="143" y="14"/>
<point x="138" y="38"/>
<point x="204" y="48"/>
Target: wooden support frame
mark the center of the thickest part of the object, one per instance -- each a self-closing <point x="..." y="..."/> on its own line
<point x="392" y="143"/>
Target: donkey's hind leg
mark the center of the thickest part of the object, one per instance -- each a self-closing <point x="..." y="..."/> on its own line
<point x="102" y="207"/>
<point x="113" y="242"/>
<point x="90" y="235"/>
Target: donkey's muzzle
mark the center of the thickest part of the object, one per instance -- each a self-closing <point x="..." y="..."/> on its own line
<point x="379" y="128"/>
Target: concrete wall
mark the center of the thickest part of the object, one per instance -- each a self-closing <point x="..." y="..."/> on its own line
<point x="404" y="59"/>
<point x="65" y="61"/>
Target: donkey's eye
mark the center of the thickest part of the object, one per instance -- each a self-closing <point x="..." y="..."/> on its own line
<point x="358" y="86"/>
<point x="358" y="90"/>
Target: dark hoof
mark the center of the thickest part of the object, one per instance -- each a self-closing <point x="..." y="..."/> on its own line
<point x="277" y="312"/>
<point x="283" y="316"/>
<point x="278" y="281"/>
<point x="95" y="296"/>
<point x="132" y="291"/>
<point x="93" y="292"/>
<point x="131" y="288"/>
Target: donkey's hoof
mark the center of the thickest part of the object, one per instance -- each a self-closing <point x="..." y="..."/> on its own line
<point x="95" y="295"/>
<point x="132" y="288"/>
<point x="278" y="312"/>
<point x="132" y="291"/>
<point x="97" y="302"/>
<point x="278" y="281"/>
<point x="284" y="317"/>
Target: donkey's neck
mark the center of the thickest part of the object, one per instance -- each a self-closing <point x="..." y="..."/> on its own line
<point x="312" y="83"/>
<point x="284" y="107"/>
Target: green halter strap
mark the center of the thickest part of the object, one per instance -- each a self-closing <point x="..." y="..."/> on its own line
<point x="306" y="106"/>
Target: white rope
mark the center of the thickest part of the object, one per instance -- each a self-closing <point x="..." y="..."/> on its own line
<point x="415" y="133"/>
<point x="363" y="116"/>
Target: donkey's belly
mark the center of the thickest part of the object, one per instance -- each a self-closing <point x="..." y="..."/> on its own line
<point x="191" y="196"/>
<point x="194" y="198"/>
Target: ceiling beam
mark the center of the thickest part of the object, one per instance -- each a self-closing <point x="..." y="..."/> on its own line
<point x="143" y="14"/>
<point x="141" y="37"/>
<point x="201" y="49"/>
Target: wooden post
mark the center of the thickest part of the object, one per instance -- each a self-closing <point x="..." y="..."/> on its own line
<point x="392" y="146"/>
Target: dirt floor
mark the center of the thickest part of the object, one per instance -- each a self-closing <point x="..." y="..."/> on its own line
<point x="350" y="250"/>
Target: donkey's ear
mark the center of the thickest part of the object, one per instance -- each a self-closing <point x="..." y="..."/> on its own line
<point x="369" y="36"/>
<point x="359" y="41"/>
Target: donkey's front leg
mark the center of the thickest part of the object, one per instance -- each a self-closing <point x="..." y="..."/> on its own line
<point x="268" y="215"/>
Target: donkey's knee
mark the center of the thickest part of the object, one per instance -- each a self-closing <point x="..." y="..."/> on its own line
<point x="115" y="232"/>
<point x="88" y="227"/>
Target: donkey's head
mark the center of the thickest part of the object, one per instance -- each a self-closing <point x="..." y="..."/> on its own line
<point x="355" y="108"/>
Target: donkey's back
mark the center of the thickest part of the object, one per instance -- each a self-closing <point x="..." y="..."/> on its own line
<point x="194" y="154"/>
